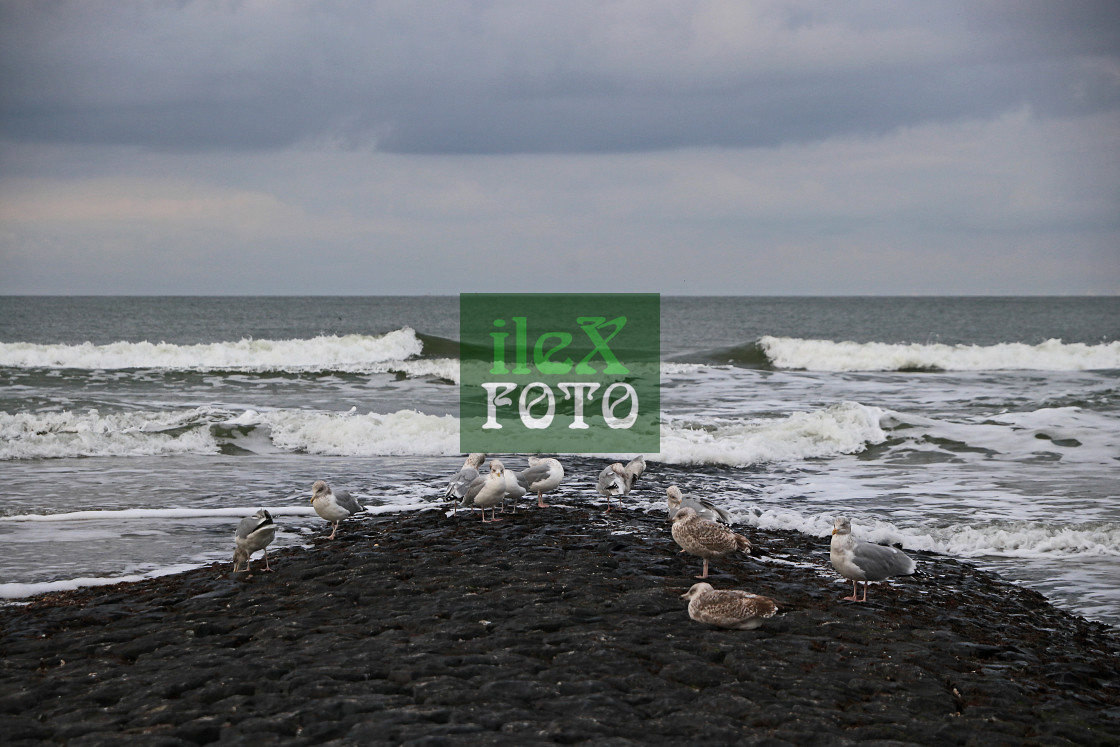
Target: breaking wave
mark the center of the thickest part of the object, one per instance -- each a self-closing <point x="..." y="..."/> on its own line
<point x="348" y="353"/>
<point x="841" y="429"/>
<point x="794" y="353"/>
<point x="826" y="355"/>
<point x="1007" y="539"/>
<point x="209" y="430"/>
<point x="844" y="428"/>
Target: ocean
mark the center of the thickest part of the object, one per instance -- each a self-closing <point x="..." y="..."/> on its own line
<point x="136" y="432"/>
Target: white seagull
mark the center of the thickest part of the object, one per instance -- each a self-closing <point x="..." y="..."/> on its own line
<point x="541" y="476"/>
<point x="334" y="506"/>
<point x="461" y="480"/>
<point x="516" y="486"/>
<point x="253" y="533"/>
<point x="864" y="561"/>
<point x="612" y="481"/>
<point x="702" y="506"/>
<point x="487" y="492"/>
<point x="634" y="469"/>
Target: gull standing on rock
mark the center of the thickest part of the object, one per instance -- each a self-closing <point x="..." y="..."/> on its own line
<point x="462" y="479"/>
<point x="613" y="481"/>
<point x="542" y="476"/>
<point x="489" y="491"/>
<point x="633" y="470"/>
<point x="732" y="608"/>
<point x="334" y="506"/>
<point x="704" y="538"/>
<point x="253" y="533"/>
<point x="864" y="561"/>
<point x="516" y="486"/>
<point x="704" y="508"/>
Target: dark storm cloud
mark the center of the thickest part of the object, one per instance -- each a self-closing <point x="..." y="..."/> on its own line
<point x="507" y="77"/>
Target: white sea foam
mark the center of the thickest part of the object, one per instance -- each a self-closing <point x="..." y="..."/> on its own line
<point x="685" y="369"/>
<point x="405" y="432"/>
<point x="20" y="591"/>
<point x="845" y="428"/>
<point x="826" y="355"/>
<point x="1009" y="539"/>
<point x="178" y="514"/>
<point x="1068" y="433"/>
<point x="158" y="513"/>
<point x="1023" y="540"/>
<point x="204" y="430"/>
<point x="441" y="368"/>
<point x="841" y="429"/>
<point x="47" y="435"/>
<point x="350" y="353"/>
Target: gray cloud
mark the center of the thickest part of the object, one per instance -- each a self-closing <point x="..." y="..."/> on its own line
<point x="681" y="146"/>
<point x="524" y="77"/>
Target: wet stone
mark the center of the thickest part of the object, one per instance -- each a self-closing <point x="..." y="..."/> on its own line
<point x="554" y="626"/>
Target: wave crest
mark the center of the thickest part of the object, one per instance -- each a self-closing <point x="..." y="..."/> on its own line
<point x="55" y="435"/>
<point x="844" y="428"/>
<point x="826" y="355"/>
<point x="207" y="430"/>
<point x="1001" y="539"/>
<point x="350" y="353"/>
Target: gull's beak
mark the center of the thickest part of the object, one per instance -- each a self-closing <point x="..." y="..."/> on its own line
<point x="834" y="531"/>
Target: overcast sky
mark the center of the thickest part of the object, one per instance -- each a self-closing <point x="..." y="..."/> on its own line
<point x="672" y="146"/>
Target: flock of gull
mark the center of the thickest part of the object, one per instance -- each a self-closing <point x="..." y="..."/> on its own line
<point x="699" y="527"/>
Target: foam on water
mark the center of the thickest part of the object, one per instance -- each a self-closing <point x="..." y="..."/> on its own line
<point x="827" y="355"/>
<point x="840" y="429"/>
<point x="1071" y="434"/>
<point x="352" y="353"/>
<point x="405" y="432"/>
<point x="440" y="368"/>
<point x="844" y="428"/>
<point x="157" y="513"/>
<point x="131" y="514"/>
<point x="47" y="435"/>
<point x="967" y="539"/>
<point x="21" y="591"/>
<point x="207" y="430"/>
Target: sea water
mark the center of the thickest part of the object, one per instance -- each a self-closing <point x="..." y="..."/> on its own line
<point x="136" y="432"/>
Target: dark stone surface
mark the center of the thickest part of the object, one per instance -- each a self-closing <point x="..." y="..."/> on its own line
<point x="561" y="625"/>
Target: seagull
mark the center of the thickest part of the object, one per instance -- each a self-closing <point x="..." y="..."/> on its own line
<point x="334" y="506"/>
<point x="634" y="469"/>
<point x="542" y="476"/>
<point x="457" y="488"/>
<point x="612" y="481"/>
<point x="516" y="486"/>
<point x="487" y="492"/>
<point x="702" y="506"/>
<point x="253" y="533"/>
<point x="704" y="538"/>
<point x="865" y="561"/>
<point x="732" y="608"/>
